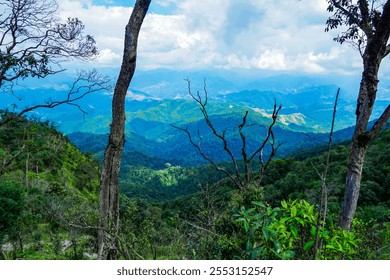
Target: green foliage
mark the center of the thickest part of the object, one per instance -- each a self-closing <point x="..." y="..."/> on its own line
<point x="51" y="212"/>
<point x="292" y="179"/>
<point x="281" y="227"/>
<point x="289" y="232"/>
<point x="12" y="202"/>
<point x="162" y="184"/>
<point x="145" y="235"/>
<point x="48" y="205"/>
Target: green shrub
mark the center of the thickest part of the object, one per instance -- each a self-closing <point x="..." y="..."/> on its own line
<point x="288" y="232"/>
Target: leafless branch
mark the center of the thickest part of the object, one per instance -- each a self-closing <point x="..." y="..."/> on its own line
<point x="323" y="208"/>
<point x="33" y="42"/>
<point x="269" y="134"/>
<point x="87" y="82"/>
<point x="221" y="136"/>
<point x="243" y="149"/>
<point x="380" y="123"/>
<point x="7" y="161"/>
<point x="387" y="51"/>
<point x="206" y="157"/>
<point x="236" y="175"/>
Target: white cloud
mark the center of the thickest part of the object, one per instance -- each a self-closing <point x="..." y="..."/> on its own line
<point x="275" y="35"/>
<point x="108" y="57"/>
<point x="133" y="96"/>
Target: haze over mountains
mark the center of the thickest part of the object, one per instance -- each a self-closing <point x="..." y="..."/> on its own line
<point x="158" y="99"/>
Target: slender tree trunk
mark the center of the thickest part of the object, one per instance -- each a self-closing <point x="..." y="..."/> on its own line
<point x="376" y="50"/>
<point x="27" y="165"/>
<point x="109" y="187"/>
<point x="353" y="180"/>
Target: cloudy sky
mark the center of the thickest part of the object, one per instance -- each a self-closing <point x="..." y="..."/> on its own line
<point x="271" y="35"/>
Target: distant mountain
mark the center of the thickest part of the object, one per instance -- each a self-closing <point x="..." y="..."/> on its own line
<point x="159" y="98"/>
<point x="176" y="148"/>
<point x="308" y="110"/>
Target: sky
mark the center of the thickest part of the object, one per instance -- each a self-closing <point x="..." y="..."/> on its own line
<point x="269" y="35"/>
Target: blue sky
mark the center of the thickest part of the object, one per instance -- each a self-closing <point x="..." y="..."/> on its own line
<point x="159" y="7"/>
<point x="268" y="35"/>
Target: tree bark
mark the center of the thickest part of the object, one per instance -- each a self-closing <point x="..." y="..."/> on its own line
<point x="109" y="187"/>
<point x="374" y="53"/>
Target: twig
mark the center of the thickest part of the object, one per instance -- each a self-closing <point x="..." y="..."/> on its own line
<point x="323" y="208"/>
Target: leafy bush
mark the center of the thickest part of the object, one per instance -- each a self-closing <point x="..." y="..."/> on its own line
<point x="289" y="231"/>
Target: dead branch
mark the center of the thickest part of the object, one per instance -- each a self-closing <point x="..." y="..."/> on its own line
<point x="7" y="161"/>
<point x="236" y="175"/>
<point x="235" y="180"/>
<point x="323" y="207"/>
<point x="86" y="82"/>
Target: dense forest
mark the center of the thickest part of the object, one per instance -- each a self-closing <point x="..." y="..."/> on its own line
<point x="237" y="179"/>
<point x="49" y="204"/>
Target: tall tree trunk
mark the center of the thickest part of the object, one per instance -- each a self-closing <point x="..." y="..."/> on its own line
<point x="376" y="50"/>
<point x="352" y="188"/>
<point x="109" y="187"/>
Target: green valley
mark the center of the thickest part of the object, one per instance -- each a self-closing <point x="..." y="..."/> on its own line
<point x="169" y="211"/>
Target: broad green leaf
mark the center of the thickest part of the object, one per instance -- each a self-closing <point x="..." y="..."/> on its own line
<point x="265" y="233"/>
<point x="249" y="246"/>
<point x="258" y="216"/>
<point x="288" y="255"/>
<point x="299" y="220"/>
<point x="313" y="231"/>
<point x="308" y="245"/>
<point x="246" y="226"/>
<point x="259" y="203"/>
<point x="293" y="211"/>
<point x="294" y="230"/>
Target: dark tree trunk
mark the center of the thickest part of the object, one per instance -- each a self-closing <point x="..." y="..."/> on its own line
<point x="109" y="187"/>
<point x="375" y="51"/>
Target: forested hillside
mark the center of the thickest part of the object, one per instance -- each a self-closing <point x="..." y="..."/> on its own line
<point x="49" y="204"/>
<point x="48" y="194"/>
<point x="235" y="130"/>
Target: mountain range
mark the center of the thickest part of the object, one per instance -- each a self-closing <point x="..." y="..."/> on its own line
<point x="158" y="100"/>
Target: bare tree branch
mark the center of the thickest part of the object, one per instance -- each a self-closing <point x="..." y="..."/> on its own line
<point x="380" y="123"/>
<point x="243" y="149"/>
<point x="86" y="82"/>
<point x="222" y="137"/>
<point x="387" y="51"/>
<point x="7" y="161"/>
<point x="269" y="134"/>
<point x="236" y="176"/>
<point x="33" y="42"/>
<point x="206" y="157"/>
<point x="323" y="208"/>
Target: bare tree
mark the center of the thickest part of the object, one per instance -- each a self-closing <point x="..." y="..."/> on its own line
<point x="368" y="30"/>
<point x="86" y="82"/>
<point x="109" y="188"/>
<point x="240" y="179"/>
<point x="33" y="41"/>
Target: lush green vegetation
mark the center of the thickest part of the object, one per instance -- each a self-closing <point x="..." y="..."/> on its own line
<point x="48" y="193"/>
<point x="48" y="204"/>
